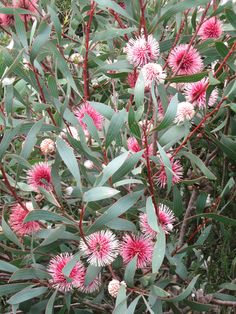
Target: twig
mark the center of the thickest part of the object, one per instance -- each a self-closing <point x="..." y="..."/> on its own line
<point x="189" y="209"/>
<point x="226" y="303"/>
<point x="143" y="25"/>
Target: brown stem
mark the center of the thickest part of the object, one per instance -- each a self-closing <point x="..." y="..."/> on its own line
<point x="85" y="65"/>
<point x="119" y="21"/>
<point x="143" y="24"/>
<point x="81" y="226"/>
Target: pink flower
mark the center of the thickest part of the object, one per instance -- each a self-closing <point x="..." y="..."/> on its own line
<point x="59" y="280"/>
<point x="30" y="5"/>
<point x="40" y="176"/>
<point x="114" y="286"/>
<point x="16" y="221"/>
<point x="6" y="20"/>
<point x="153" y="72"/>
<point x="177" y="173"/>
<point x="166" y="220"/>
<point x="196" y="94"/>
<point x="137" y="245"/>
<point x="87" y="109"/>
<point x="101" y="248"/>
<point x="185" y="111"/>
<point x="141" y="51"/>
<point x="212" y="28"/>
<point x="192" y="62"/>
<point x="134" y="147"/>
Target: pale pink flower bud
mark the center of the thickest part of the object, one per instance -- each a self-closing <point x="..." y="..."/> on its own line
<point x="47" y="146"/>
<point x="88" y="164"/>
<point x="114" y="286"/>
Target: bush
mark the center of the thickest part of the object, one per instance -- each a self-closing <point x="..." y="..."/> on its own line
<point x="118" y="137"/>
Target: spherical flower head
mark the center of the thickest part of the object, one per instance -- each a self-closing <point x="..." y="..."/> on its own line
<point x="211" y="28"/>
<point x="16" y="221"/>
<point x="177" y="173"/>
<point x="40" y="176"/>
<point x="47" y="146"/>
<point x="145" y="227"/>
<point x="153" y="72"/>
<point x="137" y="245"/>
<point x="185" y="111"/>
<point x="101" y="248"/>
<point x="30" y="5"/>
<point x="141" y="51"/>
<point x="59" y="280"/>
<point x="166" y="218"/>
<point x="114" y="286"/>
<point x="192" y="62"/>
<point x="6" y="20"/>
<point x="86" y="108"/>
<point x="196" y="94"/>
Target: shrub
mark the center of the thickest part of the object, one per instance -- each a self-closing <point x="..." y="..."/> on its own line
<point x="118" y="148"/>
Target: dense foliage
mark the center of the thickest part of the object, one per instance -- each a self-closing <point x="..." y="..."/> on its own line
<point x="118" y="150"/>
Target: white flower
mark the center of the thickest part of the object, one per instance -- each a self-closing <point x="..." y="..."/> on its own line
<point x="185" y="111"/>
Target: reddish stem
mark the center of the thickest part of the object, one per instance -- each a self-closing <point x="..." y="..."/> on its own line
<point x="119" y="21"/>
<point x="85" y="66"/>
<point x="143" y="24"/>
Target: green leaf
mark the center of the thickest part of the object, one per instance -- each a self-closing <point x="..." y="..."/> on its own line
<point x="231" y="17"/>
<point x="5" y="266"/>
<point x="10" y="234"/>
<point x="222" y="49"/>
<point x="220" y="218"/>
<point x="228" y="286"/>
<point x="159" y="251"/>
<point x="113" y="33"/>
<point x="53" y="236"/>
<point x="170" y="113"/>
<point x="91" y="274"/>
<point x="12" y="288"/>
<point x="183" y="295"/>
<point x="187" y="78"/>
<point x="37" y="215"/>
<point x="171" y="10"/>
<point x="111" y="168"/>
<point x="132" y="306"/>
<point x="157" y="291"/>
<point x="71" y="264"/>
<point x="117" y="209"/>
<point x="121" y="301"/>
<point x="29" y="273"/>
<point x="49" y="307"/>
<point x="121" y="224"/>
<point x="92" y="128"/>
<point x="99" y="193"/>
<point x="133" y="125"/>
<point x="115" y="126"/>
<point x="31" y="139"/>
<point x="199" y="163"/>
<point x="56" y="22"/>
<point x="130" y="271"/>
<point x="199" y="307"/>
<point x="21" y="32"/>
<point x="178" y="203"/>
<point x="40" y="40"/>
<point x="139" y="95"/>
<point x="26" y="294"/>
<point x="7" y="139"/>
<point x="151" y="215"/>
<point x="103" y="109"/>
<point x="114" y="6"/>
<point x="67" y="155"/>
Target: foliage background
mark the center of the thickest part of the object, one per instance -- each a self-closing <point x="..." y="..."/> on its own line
<point x="210" y="253"/>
